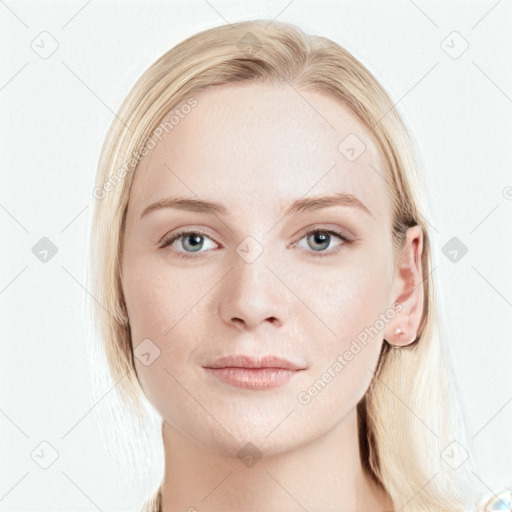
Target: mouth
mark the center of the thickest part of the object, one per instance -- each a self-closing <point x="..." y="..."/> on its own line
<point x="253" y="373"/>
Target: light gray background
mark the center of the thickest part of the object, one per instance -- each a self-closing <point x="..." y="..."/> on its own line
<point x="54" y="116"/>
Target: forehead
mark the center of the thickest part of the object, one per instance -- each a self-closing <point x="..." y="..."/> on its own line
<point x="261" y="146"/>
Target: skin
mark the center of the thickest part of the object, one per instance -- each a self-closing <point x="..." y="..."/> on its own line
<point x="256" y="149"/>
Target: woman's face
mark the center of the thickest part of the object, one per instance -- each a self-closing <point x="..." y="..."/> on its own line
<point x="263" y="271"/>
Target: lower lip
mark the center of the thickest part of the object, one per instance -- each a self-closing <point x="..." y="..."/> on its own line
<point x="253" y="378"/>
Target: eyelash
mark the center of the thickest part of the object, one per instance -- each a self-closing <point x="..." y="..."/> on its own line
<point x="170" y="239"/>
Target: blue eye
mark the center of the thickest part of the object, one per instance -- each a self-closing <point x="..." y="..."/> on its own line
<point x="191" y="241"/>
<point x="318" y="240"/>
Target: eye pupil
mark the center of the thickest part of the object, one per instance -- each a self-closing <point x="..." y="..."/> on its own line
<point x="320" y="238"/>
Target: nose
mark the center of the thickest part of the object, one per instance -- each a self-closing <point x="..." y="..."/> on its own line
<point x="253" y="295"/>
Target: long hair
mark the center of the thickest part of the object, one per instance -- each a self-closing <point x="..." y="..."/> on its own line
<point x="411" y="412"/>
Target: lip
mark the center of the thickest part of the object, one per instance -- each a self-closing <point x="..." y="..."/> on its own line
<point x="253" y="372"/>
<point x="243" y="361"/>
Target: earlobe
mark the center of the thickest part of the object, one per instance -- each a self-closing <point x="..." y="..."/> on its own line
<point x="408" y="291"/>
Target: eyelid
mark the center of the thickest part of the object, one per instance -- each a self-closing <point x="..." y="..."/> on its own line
<point x="184" y="231"/>
<point x="339" y="231"/>
<point x="189" y="229"/>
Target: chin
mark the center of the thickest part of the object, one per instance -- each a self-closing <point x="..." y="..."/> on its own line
<point x="245" y="440"/>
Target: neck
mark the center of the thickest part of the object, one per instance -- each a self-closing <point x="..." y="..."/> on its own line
<point x="324" y="474"/>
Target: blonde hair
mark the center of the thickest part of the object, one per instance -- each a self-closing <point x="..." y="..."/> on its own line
<point x="410" y="410"/>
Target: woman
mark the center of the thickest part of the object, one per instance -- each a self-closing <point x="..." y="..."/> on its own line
<point x="285" y="379"/>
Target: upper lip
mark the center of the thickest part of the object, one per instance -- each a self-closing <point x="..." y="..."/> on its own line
<point x="243" y="361"/>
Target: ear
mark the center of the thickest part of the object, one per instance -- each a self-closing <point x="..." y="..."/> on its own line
<point x="407" y="291"/>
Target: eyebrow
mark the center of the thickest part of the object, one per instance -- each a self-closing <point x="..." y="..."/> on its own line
<point x="306" y="204"/>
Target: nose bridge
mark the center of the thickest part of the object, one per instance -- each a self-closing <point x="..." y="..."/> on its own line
<point x="253" y="295"/>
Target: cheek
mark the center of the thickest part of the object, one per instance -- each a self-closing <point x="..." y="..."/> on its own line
<point x="156" y="300"/>
<point x="348" y="296"/>
<point x="169" y="307"/>
<point x="351" y="305"/>
<point x="159" y="308"/>
<point x="156" y="307"/>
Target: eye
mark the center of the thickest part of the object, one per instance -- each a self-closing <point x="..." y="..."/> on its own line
<point x="320" y="239"/>
<point x="189" y="242"/>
